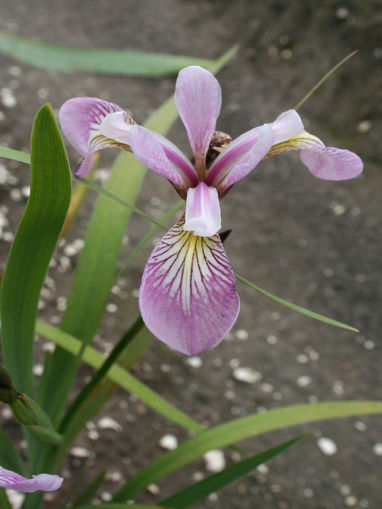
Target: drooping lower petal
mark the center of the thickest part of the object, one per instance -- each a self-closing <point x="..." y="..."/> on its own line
<point x="198" y="100"/>
<point x="41" y="482"/>
<point x="90" y="124"/>
<point x="187" y="297"/>
<point x="160" y="155"/>
<point x="332" y="163"/>
<point x="327" y="163"/>
<point x="203" y="215"/>
<point x="240" y="158"/>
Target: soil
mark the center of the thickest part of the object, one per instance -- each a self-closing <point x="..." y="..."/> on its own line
<point x="315" y="243"/>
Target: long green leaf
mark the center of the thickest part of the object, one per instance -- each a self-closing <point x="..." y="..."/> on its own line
<point x="200" y="490"/>
<point x="90" y="491"/>
<point x="9" y="456"/>
<point x="15" y="155"/>
<point x="237" y="430"/>
<point x="299" y="309"/>
<point x="32" y="249"/>
<point x="97" y="61"/>
<point x="118" y="375"/>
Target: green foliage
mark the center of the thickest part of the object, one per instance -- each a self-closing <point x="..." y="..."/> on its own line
<point x="33" y="246"/>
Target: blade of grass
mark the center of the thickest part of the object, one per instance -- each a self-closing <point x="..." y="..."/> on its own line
<point x="239" y="429"/>
<point x="9" y="456"/>
<point x="96" y="61"/>
<point x="90" y="491"/>
<point x="99" y="375"/>
<point x="299" y="309"/>
<point x="324" y="78"/>
<point x="202" y="489"/>
<point x="33" y="246"/>
<point x="4" y="502"/>
<point x="15" y="155"/>
<point x="118" y="375"/>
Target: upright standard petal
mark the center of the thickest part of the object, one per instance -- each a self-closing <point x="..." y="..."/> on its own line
<point x="160" y="155"/>
<point x="41" y="482"/>
<point x="198" y="100"/>
<point x="83" y="119"/>
<point x="187" y="297"/>
<point x="203" y="215"/>
<point x="240" y="158"/>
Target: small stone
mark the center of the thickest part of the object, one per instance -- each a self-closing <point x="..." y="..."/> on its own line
<point x="338" y="388"/>
<point x="106" y="496"/>
<point x="327" y="446"/>
<point x="7" y="97"/>
<point x="194" y="361"/>
<point x="302" y="358"/>
<point x="369" y="345"/>
<point x="364" y="126"/>
<point x="38" y="369"/>
<point x="114" y="476"/>
<point x="303" y="381"/>
<point x="109" y="423"/>
<point x="93" y="434"/>
<point x="271" y="339"/>
<point x="337" y="208"/>
<point x="377" y="449"/>
<point x="360" y="426"/>
<point x="345" y="490"/>
<point x="351" y="501"/>
<point x="215" y="460"/>
<point x="263" y="469"/>
<point x="15" y="498"/>
<point x="168" y="442"/>
<point x="242" y="334"/>
<point x="153" y="489"/>
<point x="342" y="12"/>
<point x="308" y="493"/>
<point x="80" y="452"/>
<point x="112" y="308"/>
<point x="247" y="375"/>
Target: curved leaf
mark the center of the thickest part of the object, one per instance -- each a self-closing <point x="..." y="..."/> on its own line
<point x="237" y="430"/>
<point x="32" y="249"/>
<point x="97" y="61"/>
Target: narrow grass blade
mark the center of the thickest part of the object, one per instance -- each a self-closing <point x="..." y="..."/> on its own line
<point x="16" y="155"/>
<point x="200" y="490"/>
<point x="299" y="309"/>
<point x="239" y="429"/>
<point x="90" y="491"/>
<point x="324" y="78"/>
<point x="96" y="61"/>
<point x="32" y="249"/>
<point x="100" y="374"/>
<point x="9" y="456"/>
<point x="4" y="502"/>
<point x="120" y="376"/>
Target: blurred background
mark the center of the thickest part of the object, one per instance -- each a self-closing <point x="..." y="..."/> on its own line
<point x="315" y="243"/>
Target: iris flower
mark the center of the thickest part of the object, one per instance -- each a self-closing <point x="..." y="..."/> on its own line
<point x="187" y="296"/>
<point x="40" y="482"/>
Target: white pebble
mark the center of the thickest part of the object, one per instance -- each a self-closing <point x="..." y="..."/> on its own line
<point x="194" y="362"/>
<point x="377" y="449"/>
<point x="168" y="442"/>
<point x="242" y="334"/>
<point x="351" y="501"/>
<point x="271" y="339"/>
<point x="38" y="369"/>
<point x="112" y="308"/>
<point x="360" y="426"/>
<point x="8" y="97"/>
<point x="364" y="126"/>
<point x="215" y="460"/>
<point x="109" y="423"/>
<point x="327" y="446"/>
<point x="247" y="375"/>
<point x="153" y="489"/>
<point x="15" y="498"/>
<point x="303" y="381"/>
<point x="80" y="452"/>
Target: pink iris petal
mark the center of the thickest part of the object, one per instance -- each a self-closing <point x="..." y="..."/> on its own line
<point x="116" y="126"/>
<point x="187" y="297"/>
<point x="80" y="119"/>
<point x="41" y="482"/>
<point x="203" y="210"/>
<point x="287" y="125"/>
<point x="198" y="100"/>
<point x="240" y="157"/>
<point x="163" y="157"/>
<point x="330" y="163"/>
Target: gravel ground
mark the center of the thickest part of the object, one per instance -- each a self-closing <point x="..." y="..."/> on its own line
<point x="315" y="243"/>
